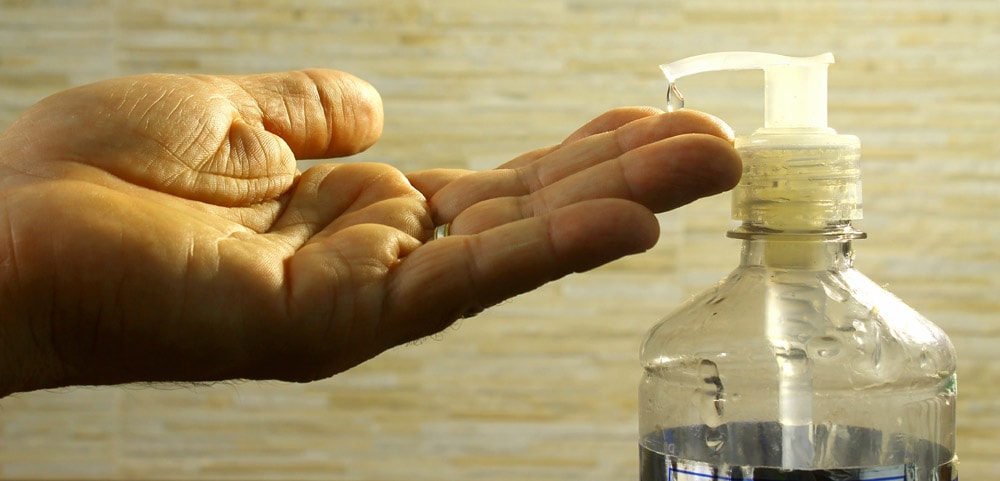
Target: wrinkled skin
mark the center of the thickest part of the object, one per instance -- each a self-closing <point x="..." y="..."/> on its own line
<point x="155" y="228"/>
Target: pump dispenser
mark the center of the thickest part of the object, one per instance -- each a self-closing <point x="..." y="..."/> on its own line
<point x="796" y="366"/>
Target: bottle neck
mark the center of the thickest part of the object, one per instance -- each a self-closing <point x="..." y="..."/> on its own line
<point x="829" y="248"/>
<point x="798" y="179"/>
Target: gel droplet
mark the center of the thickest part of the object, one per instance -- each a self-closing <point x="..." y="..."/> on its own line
<point x="675" y="101"/>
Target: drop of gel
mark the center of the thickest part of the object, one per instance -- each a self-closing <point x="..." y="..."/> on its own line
<point x="675" y="101"/>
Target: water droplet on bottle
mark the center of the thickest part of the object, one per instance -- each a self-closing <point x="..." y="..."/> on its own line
<point x="715" y="299"/>
<point x="824" y="347"/>
<point x="924" y="359"/>
<point x="715" y="438"/>
<point x="675" y="101"/>
<point x="711" y="394"/>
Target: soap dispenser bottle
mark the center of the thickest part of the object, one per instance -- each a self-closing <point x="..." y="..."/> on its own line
<point x="796" y="366"/>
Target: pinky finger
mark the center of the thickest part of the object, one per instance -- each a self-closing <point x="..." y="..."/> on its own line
<point x="606" y="122"/>
<point x="612" y="120"/>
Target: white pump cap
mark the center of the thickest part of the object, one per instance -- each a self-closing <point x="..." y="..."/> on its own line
<point x="798" y="174"/>
<point x="794" y="87"/>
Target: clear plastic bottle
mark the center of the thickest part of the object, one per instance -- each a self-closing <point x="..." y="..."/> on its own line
<point x="796" y="366"/>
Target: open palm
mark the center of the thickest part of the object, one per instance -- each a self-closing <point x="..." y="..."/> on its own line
<point x="155" y="228"/>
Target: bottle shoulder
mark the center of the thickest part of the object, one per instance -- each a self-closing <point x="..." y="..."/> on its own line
<point x="834" y="316"/>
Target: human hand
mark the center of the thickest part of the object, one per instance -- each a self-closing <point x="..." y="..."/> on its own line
<point x="155" y="228"/>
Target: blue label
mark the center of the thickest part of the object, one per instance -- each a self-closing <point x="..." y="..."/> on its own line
<point x="681" y="470"/>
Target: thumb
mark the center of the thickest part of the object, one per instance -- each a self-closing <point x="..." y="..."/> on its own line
<point x="318" y="113"/>
<point x="223" y="140"/>
<point x="284" y="116"/>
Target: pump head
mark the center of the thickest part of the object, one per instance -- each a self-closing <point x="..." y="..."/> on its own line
<point x="794" y="87"/>
<point x="798" y="174"/>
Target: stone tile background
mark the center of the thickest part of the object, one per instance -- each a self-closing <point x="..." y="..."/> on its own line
<point x="540" y="388"/>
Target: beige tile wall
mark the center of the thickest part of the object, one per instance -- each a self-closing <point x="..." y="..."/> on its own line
<point x="540" y="388"/>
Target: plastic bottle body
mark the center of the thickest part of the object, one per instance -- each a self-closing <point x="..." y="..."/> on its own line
<point x="797" y="362"/>
<point x="796" y="366"/>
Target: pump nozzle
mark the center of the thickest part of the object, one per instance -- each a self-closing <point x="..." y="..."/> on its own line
<point x="794" y="87"/>
<point x="798" y="174"/>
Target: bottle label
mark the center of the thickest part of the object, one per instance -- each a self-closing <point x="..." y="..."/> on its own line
<point x="681" y="470"/>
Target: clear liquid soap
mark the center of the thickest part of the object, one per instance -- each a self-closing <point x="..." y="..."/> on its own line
<point x="796" y="366"/>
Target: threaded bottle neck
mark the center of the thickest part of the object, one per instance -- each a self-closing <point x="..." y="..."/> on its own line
<point x="798" y="179"/>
